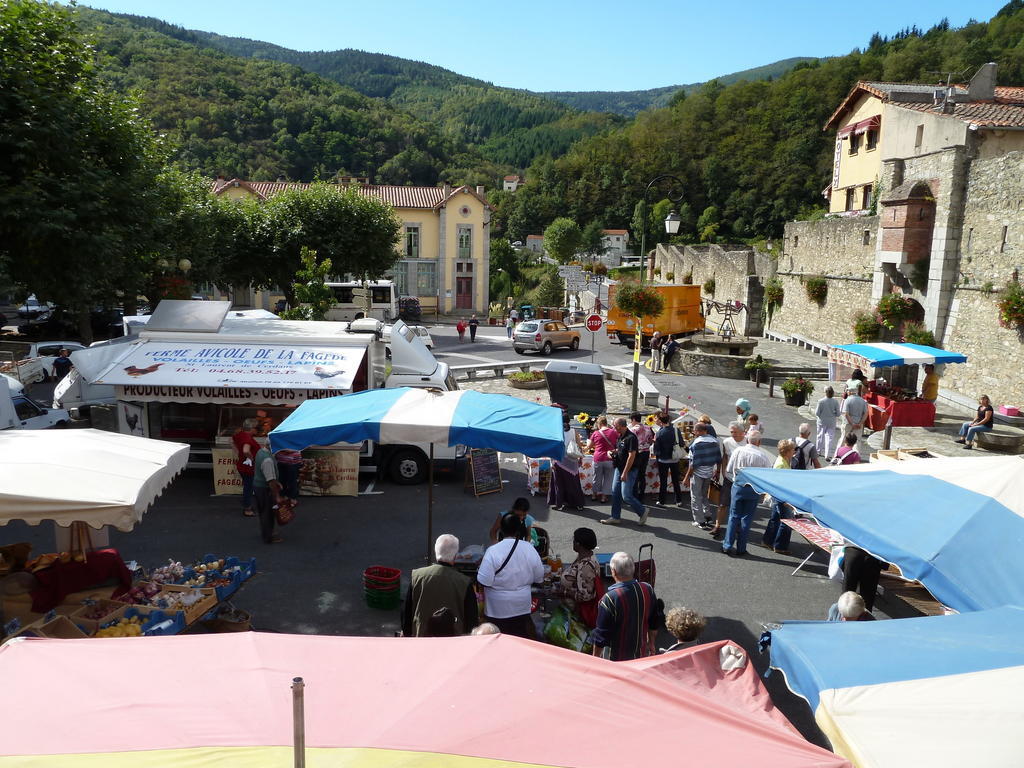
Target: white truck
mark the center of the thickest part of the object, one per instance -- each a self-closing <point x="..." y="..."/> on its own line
<point x="182" y="380"/>
<point x="31" y="363"/>
<point x="19" y="411"/>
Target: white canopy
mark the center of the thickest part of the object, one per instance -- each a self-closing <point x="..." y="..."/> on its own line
<point x="83" y="475"/>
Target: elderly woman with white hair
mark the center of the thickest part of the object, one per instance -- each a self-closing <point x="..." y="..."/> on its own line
<point x="849" y="607"/>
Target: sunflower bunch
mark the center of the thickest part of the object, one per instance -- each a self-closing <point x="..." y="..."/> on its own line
<point x="650" y="419"/>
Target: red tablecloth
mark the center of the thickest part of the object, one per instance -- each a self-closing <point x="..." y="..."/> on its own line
<point x="61" y="579"/>
<point x="905" y="413"/>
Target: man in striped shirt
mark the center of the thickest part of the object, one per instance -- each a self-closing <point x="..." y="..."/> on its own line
<point x="628" y="616"/>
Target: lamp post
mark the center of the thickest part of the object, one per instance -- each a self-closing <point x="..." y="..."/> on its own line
<point x="672" y="221"/>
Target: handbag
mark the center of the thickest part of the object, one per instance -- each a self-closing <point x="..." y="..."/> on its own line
<point x="678" y="451"/>
<point x="285" y="513"/>
<point x="715" y="492"/>
<point x="572" y="450"/>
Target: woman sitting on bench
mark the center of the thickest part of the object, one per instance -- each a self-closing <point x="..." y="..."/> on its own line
<point x="983" y="423"/>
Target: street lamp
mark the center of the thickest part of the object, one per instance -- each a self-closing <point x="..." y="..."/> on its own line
<point x="672" y="221"/>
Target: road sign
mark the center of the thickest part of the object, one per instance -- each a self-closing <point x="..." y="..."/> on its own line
<point x="569" y="270"/>
<point x="575" y="286"/>
<point x="594" y="323"/>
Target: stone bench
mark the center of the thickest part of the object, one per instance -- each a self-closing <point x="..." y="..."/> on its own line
<point x="815" y="346"/>
<point x="1001" y="439"/>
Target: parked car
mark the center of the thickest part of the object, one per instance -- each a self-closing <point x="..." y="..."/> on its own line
<point x="33" y="309"/>
<point x="543" y="336"/>
<point x="13" y="384"/>
<point x="419" y="330"/>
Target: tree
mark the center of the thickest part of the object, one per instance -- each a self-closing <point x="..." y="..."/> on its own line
<point x="310" y="289"/>
<point x="592" y="240"/>
<point x="357" y="233"/>
<point x="551" y="291"/>
<point x="78" y="167"/>
<point x="708" y="225"/>
<point x="562" y="239"/>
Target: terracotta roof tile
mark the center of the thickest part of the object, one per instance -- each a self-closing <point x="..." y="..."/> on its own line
<point x="983" y="114"/>
<point x="614" y="231"/>
<point x="397" y="196"/>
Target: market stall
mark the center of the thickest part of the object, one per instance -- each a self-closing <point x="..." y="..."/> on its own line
<point x="953" y="524"/>
<point x="227" y="700"/>
<point x="892" y="384"/>
<point x="944" y="692"/>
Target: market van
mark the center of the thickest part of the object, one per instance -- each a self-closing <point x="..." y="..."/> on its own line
<point x="194" y="374"/>
<point x="682" y="315"/>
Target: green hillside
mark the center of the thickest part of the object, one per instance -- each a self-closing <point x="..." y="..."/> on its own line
<point x="629" y="103"/>
<point x="507" y="126"/>
<point x="262" y="119"/>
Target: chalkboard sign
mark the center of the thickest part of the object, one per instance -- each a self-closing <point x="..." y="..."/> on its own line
<point x="483" y="474"/>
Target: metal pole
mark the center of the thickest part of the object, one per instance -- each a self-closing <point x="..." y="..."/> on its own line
<point x="593" y="335"/>
<point x="887" y="437"/>
<point x="643" y="244"/>
<point x="637" y="344"/>
<point x="771" y="386"/>
<point x="430" y="502"/>
<point x="299" y="722"/>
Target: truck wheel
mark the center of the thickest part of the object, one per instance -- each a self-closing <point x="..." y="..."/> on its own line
<point x="575" y="345"/>
<point x="546" y="349"/>
<point x="408" y="467"/>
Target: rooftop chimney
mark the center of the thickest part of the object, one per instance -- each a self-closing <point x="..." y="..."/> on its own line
<point x="949" y="105"/>
<point x="480" y="190"/>
<point x="983" y="85"/>
<point x="447" y="189"/>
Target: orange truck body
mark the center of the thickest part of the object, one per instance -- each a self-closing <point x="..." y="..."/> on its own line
<point x="681" y="316"/>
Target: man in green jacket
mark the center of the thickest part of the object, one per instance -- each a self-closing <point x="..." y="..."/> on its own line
<point x="436" y="588"/>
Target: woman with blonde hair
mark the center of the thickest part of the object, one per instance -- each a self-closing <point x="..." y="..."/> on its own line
<point x="776" y="533"/>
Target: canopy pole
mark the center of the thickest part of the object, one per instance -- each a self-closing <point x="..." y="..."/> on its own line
<point x="299" y="722"/>
<point x="430" y="502"/>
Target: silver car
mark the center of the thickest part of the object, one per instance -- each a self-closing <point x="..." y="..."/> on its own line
<point x="543" y="336"/>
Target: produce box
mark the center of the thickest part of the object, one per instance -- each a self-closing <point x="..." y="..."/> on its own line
<point x="192" y="612"/>
<point x="153" y="617"/>
<point x="1009" y="410"/>
<point x="97" y="610"/>
<point x="61" y="628"/>
<point x="245" y="567"/>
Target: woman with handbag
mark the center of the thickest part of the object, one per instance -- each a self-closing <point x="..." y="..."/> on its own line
<point x="602" y="443"/>
<point x="668" y="452"/>
<point x="565" y="489"/>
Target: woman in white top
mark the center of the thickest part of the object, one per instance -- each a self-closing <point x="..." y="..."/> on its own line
<point x="826" y="413"/>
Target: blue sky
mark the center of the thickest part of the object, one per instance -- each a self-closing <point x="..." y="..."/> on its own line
<point x="567" y="45"/>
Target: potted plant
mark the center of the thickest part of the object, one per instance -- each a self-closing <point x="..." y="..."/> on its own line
<point x="670" y="276"/>
<point x="709" y="286"/>
<point x="866" y="328"/>
<point x="773" y="295"/>
<point x="817" y="289"/>
<point x="892" y="308"/>
<point x="796" y="390"/>
<point x="527" y="380"/>
<point x="755" y="365"/>
<point x="1011" y="305"/>
<point x="916" y="333"/>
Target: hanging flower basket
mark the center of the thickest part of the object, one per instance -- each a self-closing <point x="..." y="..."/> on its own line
<point x="1011" y="305"/>
<point x="892" y="308"/>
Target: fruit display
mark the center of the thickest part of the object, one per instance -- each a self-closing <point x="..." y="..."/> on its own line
<point x="97" y="611"/>
<point x="130" y="627"/>
<point x="141" y="594"/>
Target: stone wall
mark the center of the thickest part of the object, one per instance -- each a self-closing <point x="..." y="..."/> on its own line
<point x="738" y="271"/>
<point x="995" y="355"/>
<point x="842" y="250"/>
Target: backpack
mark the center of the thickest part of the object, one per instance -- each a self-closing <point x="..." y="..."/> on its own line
<point x="799" y="460"/>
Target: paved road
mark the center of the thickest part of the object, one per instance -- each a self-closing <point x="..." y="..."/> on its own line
<point x="311" y="583"/>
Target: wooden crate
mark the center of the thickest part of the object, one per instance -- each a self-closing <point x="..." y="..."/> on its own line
<point x="198" y="609"/>
<point x="60" y="628"/>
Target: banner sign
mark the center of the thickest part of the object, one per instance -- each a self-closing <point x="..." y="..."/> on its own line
<point x="323" y="472"/>
<point x="222" y="395"/>
<point x="216" y="365"/>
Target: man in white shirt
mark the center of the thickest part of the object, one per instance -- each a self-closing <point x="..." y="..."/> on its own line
<point x="737" y="432"/>
<point x="744" y="498"/>
<point x="506" y="573"/>
<point x="854" y="413"/>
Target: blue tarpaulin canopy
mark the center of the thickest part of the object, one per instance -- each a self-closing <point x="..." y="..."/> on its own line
<point x="953" y="524"/>
<point x="888" y="355"/>
<point x="936" y="691"/>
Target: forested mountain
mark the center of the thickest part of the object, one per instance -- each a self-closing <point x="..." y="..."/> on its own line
<point x="505" y="125"/>
<point x="262" y="119"/>
<point x="629" y="103"/>
<point x="752" y="155"/>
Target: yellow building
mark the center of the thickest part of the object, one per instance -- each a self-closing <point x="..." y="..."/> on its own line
<point x="444" y="252"/>
<point x="883" y="121"/>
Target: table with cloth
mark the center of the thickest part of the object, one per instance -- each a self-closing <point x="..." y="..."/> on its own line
<point x="904" y="413"/>
<point x="536" y="465"/>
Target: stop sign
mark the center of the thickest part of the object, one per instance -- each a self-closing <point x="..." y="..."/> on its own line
<point x="594" y="323"/>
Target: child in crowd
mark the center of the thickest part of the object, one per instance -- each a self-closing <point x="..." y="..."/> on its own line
<point x="754" y="424"/>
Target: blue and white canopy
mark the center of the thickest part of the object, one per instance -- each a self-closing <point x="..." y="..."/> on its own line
<point x="888" y="355"/>
<point x="406" y="415"/>
<point x="954" y="524"/>
<point x="935" y="691"/>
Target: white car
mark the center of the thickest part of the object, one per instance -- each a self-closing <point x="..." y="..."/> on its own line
<point x="419" y="330"/>
<point x="33" y="309"/>
<point x="13" y="384"/>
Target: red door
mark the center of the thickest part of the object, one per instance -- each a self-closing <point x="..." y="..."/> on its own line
<point x="463" y="292"/>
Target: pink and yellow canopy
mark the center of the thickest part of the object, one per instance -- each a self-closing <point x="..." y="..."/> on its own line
<point x="466" y="702"/>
